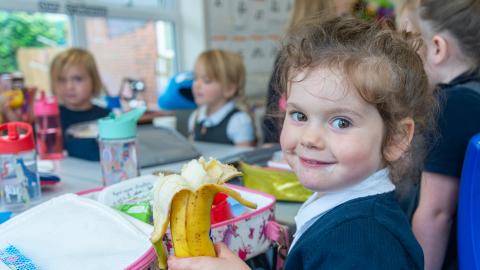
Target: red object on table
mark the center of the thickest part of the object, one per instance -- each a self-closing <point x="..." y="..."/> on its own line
<point x="220" y="209"/>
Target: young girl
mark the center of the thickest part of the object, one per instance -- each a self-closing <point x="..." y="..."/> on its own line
<point x="451" y="55"/>
<point x="75" y="80"/>
<point x="219" y="80"/>
<point x="356" y="96"/>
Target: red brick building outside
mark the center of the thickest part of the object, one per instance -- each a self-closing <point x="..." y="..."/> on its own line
<point x="129" y="54"/>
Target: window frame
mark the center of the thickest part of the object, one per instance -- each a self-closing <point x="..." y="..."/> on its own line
<point x="77" y="22"/>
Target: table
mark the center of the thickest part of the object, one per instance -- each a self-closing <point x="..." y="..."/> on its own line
<point x="77" y="175"/>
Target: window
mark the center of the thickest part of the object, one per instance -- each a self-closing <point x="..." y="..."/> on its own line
<point x="30" y="41"/>
<point x="132" y="49"/>
<point x="129" y="39"/>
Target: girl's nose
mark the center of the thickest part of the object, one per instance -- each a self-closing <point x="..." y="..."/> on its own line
<point x="313" y="137"/>
<point x="69" y="84"/>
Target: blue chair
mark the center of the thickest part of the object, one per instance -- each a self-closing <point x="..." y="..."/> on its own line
<point x="178" y="93"/>
<point x="469" y="208"/>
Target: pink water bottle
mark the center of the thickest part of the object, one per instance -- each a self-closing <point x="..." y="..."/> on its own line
<point x="48" y="127"/>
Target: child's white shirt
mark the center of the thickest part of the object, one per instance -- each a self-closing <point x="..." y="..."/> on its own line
<point x="321" y="202"/>
<point x="239" y="127"/>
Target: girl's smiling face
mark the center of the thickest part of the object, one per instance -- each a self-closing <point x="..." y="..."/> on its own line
<point x="331" y="137"/>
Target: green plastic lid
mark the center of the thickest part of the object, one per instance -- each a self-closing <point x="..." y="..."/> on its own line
<point x="120" y="126"/>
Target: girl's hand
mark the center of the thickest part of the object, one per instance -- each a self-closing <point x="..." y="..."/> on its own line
<point x="225" y="259"/>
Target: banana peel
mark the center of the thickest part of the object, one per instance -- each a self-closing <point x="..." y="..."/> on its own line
<point x="184" y="201"/>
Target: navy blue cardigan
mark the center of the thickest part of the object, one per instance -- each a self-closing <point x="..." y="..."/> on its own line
<point x="365" y="233"/>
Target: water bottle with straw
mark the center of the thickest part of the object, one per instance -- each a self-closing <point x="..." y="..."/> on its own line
<point x="19" y="180"/>
<point x="48" y="127"/>
<point x="118" y="146"/>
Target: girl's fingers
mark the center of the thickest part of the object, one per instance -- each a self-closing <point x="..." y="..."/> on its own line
<point x="222" y="250"/>
<point x="191" y="263"/>
<point x="225" y="259"/>
<point x="177" y="264"/>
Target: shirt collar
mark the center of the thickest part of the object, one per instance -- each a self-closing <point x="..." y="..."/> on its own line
<point x="462" y="78"/>
<point x="216" y="117"/>
<point x="320" y="203"/>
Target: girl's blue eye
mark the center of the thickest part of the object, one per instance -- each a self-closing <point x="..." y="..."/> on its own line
<point x="298" y="116"/>
<point x="341" y="123"/>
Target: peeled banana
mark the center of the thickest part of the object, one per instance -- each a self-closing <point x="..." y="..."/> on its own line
<point x="184" y="201"/>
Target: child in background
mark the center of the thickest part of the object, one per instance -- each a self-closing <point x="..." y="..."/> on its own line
<point x="356" y="96"/>
<point x="219" y="80"/>
<point x="75" y="81"/>
<point x="451" y="55"/>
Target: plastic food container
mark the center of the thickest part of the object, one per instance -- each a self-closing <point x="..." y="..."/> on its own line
<point x="245" y="234"/>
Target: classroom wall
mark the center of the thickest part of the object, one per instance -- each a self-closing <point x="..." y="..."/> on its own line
<point x="251" y="27"/>
<point x="192" y="32"/>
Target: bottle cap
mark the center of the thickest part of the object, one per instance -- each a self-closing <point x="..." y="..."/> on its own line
<point x="19" y="138"/>
<point x="120" y="127"/>
<point x="46" y="105"/>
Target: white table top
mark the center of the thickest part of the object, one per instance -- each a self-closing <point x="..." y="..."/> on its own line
<point x="78" y="175"/>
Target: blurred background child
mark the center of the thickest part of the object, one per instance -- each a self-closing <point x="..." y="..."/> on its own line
<point x="356" y="96"/>
<point x="75" y="81"/>
<point x="219" y="83"/>
<point x="451" y="55"/>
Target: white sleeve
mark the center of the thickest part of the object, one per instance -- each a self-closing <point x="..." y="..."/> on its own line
<point x="191" y="121"/>
<point x="240" y="128"/>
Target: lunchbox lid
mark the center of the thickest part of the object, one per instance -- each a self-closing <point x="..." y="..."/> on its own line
<point x="72" y="232"/>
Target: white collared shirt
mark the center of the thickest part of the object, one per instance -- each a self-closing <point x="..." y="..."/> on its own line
<point x="239" y="127"/>
<point x="320" y="203"/>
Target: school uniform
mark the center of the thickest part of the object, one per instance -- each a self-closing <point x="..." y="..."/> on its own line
<point x="228" y="125"/>
<point x="359" y="227"/>
<point x="69" y="117"/>
<point x="458" y="121"/>
<point x="84" y="148"/>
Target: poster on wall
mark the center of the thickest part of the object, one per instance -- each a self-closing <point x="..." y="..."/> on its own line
<point x="252" y="28"/>
<point x="219" y="19"/>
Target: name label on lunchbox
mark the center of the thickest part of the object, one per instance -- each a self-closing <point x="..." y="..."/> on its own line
<point x="134" y="193"/>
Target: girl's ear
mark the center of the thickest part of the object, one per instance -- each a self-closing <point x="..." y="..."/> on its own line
<point x="440" y="49"/>
<point x="398" y="145"/>
<point x="230" y="91"/>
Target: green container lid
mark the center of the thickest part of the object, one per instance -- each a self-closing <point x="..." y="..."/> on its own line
<point x="122" y="126"/>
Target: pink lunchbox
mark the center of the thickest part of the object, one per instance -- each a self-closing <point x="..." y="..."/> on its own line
<point x="246" y="234"/>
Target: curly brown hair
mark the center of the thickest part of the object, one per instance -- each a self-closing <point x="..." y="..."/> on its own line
<point x="380" y="63"/>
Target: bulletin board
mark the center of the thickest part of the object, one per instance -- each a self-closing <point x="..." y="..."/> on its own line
<point x="252" y="28"/>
